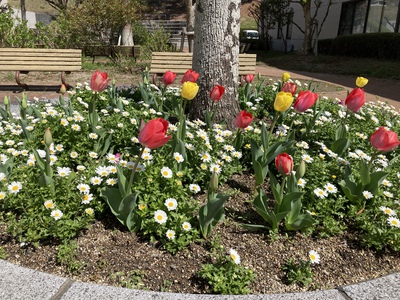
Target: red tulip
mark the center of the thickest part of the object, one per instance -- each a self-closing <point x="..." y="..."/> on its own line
<point x="243" y="119"/>
<point x="289" y="87"/>
<point x="217" y="92"/>
<point x="249" y="78"/>
<point x="190" y="75"/>
<point x="99" y="81"/>
<point x="304" y="101"/>
<point x="284" y="164"/>
<point x="153" y="134"/>
<point x="355" y="100"/>
<point x="384" y="140"/>
<point x="169" y="77"/>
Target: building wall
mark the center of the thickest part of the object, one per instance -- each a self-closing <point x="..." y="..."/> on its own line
<point x="329" y="28"/>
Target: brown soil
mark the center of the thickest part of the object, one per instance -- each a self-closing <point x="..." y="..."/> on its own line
<point x="108" y="253"/>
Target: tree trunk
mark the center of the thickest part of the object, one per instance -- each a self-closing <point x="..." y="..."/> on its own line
<point x="190" y="17"/>
<point x="216" y="57"/>
<point x="23" y="10"/>
<point x="306" y="47"/>
<point x="127" y="36"/>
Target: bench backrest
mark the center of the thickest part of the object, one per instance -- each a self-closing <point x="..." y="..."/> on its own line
<point x="32" y="59"/>
<point x="180" y="62"/>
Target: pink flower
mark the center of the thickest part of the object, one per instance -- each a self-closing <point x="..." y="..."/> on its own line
<point x="153" y="134"/>
<point x="284" y="164"/>
<point x="99" y="81"/>
<point x="355" y="100"/>
<point x="289" y="87"/>
<point x="249" y="78"/>
<point x="169" y="77"/>
<point x="217" y="92"/>
<point x="304" y="101"/>
<point x="243" y="119"/>
<point x="190" y="75"/>
<point x="384" y="140"/>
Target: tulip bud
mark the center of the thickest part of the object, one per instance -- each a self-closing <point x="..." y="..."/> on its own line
<point x="301" y="170"/>
<point x="214" y="181"/>
<point x="6" y="100"/>
<point x="24" y="103"/>
<point x="63" y="89"/>
<point x="361" y="82"/>
<point x="48" y="139"/>
<point x="285" y="76"/>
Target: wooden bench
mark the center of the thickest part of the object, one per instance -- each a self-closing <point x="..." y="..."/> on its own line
<point x="180" y="62"/>
<point x="25" y="60"/>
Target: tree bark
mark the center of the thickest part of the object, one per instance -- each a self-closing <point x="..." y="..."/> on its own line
<point x="306" y="47"/>
<point x="127" y="35"/>
<point x="190" y="17"/>
<point x="23" y="10"/>
<point x="216" y="57"/>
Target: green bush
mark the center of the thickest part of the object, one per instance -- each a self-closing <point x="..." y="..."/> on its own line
<point x="374" y="45"/>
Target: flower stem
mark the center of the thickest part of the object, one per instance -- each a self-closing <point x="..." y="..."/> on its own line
<point x="128" y="188"/>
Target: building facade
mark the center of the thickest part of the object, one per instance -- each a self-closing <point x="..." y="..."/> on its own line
<point x="344" y="17"/>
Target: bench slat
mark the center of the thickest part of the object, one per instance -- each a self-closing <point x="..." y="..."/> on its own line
<point x="180" y="62"/>
<point x="40" y="68"/>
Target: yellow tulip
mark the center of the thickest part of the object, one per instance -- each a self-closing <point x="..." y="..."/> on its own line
<point x="189" y="90"/>
<point x="283" y="101"/>
<point x="285" y="76"/>
<point x="361" y="82"/>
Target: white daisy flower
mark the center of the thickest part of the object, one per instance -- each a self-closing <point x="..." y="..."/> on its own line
<point x="160" y="216"/>
<point x="63" y="171"/>
<point x="14" y="187"/>
<point x="73" y="154"/>
<point x="83" y="188"/>
<point x="314" y="257"/>
<point x="388" y="210"/>
<point x="235" y="256"/>
<point x="387" y="183"/>
<point x="93" y="154"/>
<point x="330" y="188"/>
<point x="320" y="193"/>
<point x="111" y="181"/>
<point x="205" y="157"/>
<point x="307" y="158"/>
<point x="186" y="226"/>
<point x="178" y="157"/>
<point x="367" y="195"/>
<point x="301" y="182"/>
<point x="215" y="168"/>
<point x="89" y="211"/>
<point x="170" y="234"/>
<point x="166" y="172"/>
<point x="394" y="222"/>
<point x="388" y="194"/>
<point x="96" y="180"/>
<point x="56" y="214"/>
<point x="86" y="198"/>
<point x="102" y="171"/>
<point x="171" y="204"/>
<point x="49" y="204"/>
<point x="194" y="188"/>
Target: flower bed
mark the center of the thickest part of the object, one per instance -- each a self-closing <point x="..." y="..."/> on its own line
<point x="319" y="168"/>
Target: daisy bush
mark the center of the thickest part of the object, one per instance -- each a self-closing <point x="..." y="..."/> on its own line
<point x="94" y="153"/>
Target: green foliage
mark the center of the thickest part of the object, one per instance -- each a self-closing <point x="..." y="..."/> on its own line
<point x="131" y="280"/>
<point x="15" y="33"/>
<point x="299" y="273"/>
<point x="66" y="256"/>
<point x="224" y="276"/>
<point x="3" y="254"/>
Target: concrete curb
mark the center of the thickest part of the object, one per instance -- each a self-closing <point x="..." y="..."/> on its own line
<point x="17" y="282"/>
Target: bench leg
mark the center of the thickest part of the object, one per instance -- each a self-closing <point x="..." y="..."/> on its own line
<point x="24" y="85"/>
<point x="63" y="79"/>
